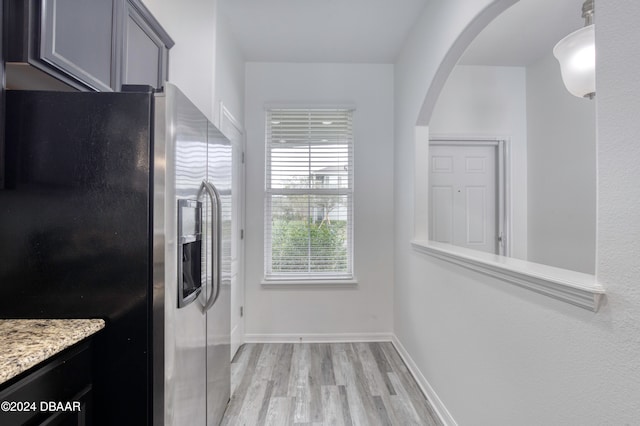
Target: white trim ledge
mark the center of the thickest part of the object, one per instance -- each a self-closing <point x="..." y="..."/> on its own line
<point x="576" y="288"/>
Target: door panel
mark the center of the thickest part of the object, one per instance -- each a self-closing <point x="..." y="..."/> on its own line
<point x="475" y="210"/>
<point x="219" y="171"/>
<point x="442" y="213"/>
<point x="463" y="182"/>
<point x="143" y="57"/>
<point x="185" y="328"/>
<point x="67" y="43"/>
<point x="442" y="164"/>
<point x="475" y="165"/>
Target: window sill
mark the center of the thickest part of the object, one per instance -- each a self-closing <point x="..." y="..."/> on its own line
<point x="298" y="282"/>
<point x="572" y="287"/>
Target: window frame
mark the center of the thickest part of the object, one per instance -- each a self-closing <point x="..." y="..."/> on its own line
<point x="306" y="278"/>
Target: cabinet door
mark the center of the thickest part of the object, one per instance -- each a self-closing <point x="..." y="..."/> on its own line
<point x="77" y="38"/>
<point x="145" y="47"/>
<point x="67" y="378"/>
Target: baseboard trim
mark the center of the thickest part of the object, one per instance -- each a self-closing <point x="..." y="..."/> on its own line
<point x="318" y="338"/>
<point x="426" y="388"/>
<point x="236" y="340"/>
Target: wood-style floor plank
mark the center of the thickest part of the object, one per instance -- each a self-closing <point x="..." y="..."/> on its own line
<point x="332" y="406"/>
<point x="383" y="365"/>
<point x="344" y="402"/>
<point x="282" y="370"/>
<point x="378" y="382"/>
<point x="299" y="383"/>
<point x="252" y="353"/>
<point x="253" y="403"/>
<point x="266" y="402"/>
<point x="343" y="357"/>
<point x="278" y="411"/>
<point x="321" y="384"/>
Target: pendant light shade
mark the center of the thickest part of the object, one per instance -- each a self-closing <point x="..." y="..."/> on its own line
<point x="577" y="56"/>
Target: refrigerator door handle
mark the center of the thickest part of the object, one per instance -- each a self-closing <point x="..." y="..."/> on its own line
<point x="216" y="252"/>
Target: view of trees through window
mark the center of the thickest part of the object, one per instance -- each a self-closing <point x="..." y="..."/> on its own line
<point x="309" y="192"/>
<point x="308" y="234"/>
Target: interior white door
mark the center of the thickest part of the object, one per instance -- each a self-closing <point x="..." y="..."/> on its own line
<point x="233" y="131"/>
<point x="463" y="184"/>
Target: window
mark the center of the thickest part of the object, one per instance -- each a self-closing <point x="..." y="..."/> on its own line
<point x="309" y="194"/>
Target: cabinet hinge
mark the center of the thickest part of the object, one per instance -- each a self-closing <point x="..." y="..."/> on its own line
<point x="242" y="157"/>
<point x="242" y="234"/>
<point x="241" y="311"/>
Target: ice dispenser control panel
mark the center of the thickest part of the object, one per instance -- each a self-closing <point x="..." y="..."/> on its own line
<point x="189" y="251"/>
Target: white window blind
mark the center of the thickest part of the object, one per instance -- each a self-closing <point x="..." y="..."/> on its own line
<point x="309" y="194"/>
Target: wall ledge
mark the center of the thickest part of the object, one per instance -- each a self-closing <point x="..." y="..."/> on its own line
<point x="576" y="288"/>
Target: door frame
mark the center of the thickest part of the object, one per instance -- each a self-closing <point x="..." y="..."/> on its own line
<point x="237" y="333"/>
<point x="503" y="191"/>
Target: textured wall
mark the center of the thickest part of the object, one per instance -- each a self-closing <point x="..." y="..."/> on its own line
<point x="500" y="355"/>
<point x="561" y="143"/>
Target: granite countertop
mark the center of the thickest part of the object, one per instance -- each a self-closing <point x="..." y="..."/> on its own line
<point x="25" y="343"/>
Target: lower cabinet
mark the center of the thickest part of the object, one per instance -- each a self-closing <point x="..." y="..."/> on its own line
<point x="58" y="392"/>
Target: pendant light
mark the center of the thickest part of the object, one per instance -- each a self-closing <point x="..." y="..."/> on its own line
<point x="577" y="56"/>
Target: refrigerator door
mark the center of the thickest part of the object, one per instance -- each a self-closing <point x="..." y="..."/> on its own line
<point x="75" y="229"/>
<point x="185" y="130"/>
<point x="219" y="316"/>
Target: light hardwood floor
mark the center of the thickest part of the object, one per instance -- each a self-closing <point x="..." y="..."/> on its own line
<point x="324" y="384"/>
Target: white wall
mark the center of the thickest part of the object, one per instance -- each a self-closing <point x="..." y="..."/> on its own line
<point x="229" y="75"/>
<point x="206" y="63"/>
<point x="488" y="101"/>
<point x="562" y="171"/>
<point x="500" y="355"/>
<point x="192" y="64"/>
<point x="367" y="307"/>
<point x="552" y="137"/>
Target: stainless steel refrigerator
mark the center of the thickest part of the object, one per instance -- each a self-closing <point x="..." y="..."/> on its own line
<point x="118" y="206"/>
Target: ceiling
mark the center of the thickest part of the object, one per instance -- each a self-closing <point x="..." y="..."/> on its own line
<point x="524" y="33"/>
<point x="373" y="31"/>
<point x="356" y="31"/>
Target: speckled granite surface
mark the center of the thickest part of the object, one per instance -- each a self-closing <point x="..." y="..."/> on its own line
<point x="25" y="343"/>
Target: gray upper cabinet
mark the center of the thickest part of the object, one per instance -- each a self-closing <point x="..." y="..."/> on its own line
<point x="145" y="45"/>
<point x="77" y="38"/>
<point x="84" y="45"/>
<point x="71" y="40"/>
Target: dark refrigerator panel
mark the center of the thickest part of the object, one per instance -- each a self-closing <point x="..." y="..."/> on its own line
<point x="75" y="229"/>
